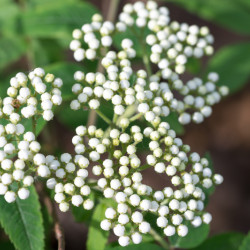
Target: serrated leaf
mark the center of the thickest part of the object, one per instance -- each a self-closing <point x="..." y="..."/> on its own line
<point x="226" y="241"/>
<point x="245" y="245"/>
<point x="230" y="14"/>
<point x="11" y="50"/>
<point x="233" y="65"/>
<point x="194" y="237"/>
<point x="142" y="246"/>
<point x="97" y="238"/>
<point x="22" y="221"/>
<point x="57" y="21"/>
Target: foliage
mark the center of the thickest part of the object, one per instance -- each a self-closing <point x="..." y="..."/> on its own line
<point x="22" y="221"/>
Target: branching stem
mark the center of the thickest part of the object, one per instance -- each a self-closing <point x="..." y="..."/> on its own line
<point x="135" y="117"/>
<point x="104" y="117"/>
<point x="159" y="239"/>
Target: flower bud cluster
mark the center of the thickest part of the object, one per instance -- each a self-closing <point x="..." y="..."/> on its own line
<point x="96" y="36"/>
<point x="28" y="97"/>
<point x="111" y="155"/>
<point x="16" y="173"/>
<point x="193" y="102"/>
<point x="32" y="95"/>
<point x="93" y="88"/>
<point x="67" y="177"/>
<point x="171" y="43"/>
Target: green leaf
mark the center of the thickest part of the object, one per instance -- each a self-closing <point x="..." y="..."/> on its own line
<point x="194" y="237"/>
<point x="57" y="21"/>
<point x="22" y="221"/>
<point x="47" y="225"/>
<point x="82" y="215"/>
<point x="97" y="238"/>
<point x="46" y="51"/>
<point x="72" y="118"/>
<point x="233" y="65"/>
<point x="226" y="241"/>
<point x="246" y="243"/>
<point x="8" y="17"/>
<point x="142" y="246"/>
<point x="11" y="50"/>
<point x="193" y="65"/>
<point x="40" y="124"/>
<point x="230" y="14"/>
<point x="46" y="3"/>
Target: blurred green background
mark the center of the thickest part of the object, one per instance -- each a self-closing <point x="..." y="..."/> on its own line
<point x="37" y="33"/>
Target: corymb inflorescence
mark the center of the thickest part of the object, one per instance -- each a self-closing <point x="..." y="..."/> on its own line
<point x="150" y="93"/>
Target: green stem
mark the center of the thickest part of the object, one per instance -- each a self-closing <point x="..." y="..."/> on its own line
<point x="104" y="117"/>
<point x="147" y="63"/>
<point x="159" y="239"/>
<point x="130" y="110"/>
<point x="115" y="118"/>
<point x="135" y="117"/>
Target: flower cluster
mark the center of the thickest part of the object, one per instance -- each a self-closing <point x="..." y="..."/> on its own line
<point x="96" y="36"/>
<point x="34" y="94"/>
<point x="31" y="96"/>
<point x="171" y="43"/>
<point x="111" y="155"/>
<point x="115" y="87"/>
<point x="17" y="174"/>
<point x="194" y="103"/>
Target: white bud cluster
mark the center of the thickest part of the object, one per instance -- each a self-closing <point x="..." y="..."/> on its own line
<point x="96" y="36"/>
<point x="16" y="174"/>
<point x="171" y="43"/>
<point x="197" y="98"/>
<point x="29" y="96"/>
<point x="67" y="176"/>
<point x="112" y="155"/>
<point x="118" y="169"/>
<point x="34" y="95"/>
<point x="93" y="88"/>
